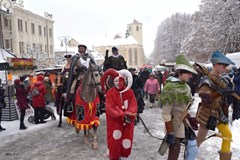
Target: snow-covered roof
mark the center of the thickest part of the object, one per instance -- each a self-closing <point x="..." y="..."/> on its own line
<point x="4" y="54"/>
<point x="117" y="41"/>
<point x="235" y="57"/>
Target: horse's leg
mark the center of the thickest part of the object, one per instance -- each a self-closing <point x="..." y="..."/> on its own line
<point x="76" y="129"/>
<point x="85" y="138"/>
<point x="60" y="113"/>
<point x="95" y="142"/>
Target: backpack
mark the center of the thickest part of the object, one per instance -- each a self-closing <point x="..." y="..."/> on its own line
<point x="35" y="92"/>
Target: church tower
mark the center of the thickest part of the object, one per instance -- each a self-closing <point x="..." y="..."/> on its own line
<point x="135" y="29"/>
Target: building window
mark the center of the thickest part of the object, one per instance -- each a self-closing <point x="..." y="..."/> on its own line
<point x="40" y="48"/>
<point x="20" y="25"/>
<point x="34" y="45"/>
<point x="135" y="56"/>
<point x="21" y="48"/>
<point x="44" y="31"/>
<point x="7" y="43"/>
<point x="39" y="30"/>
<point x="46" y="50"/>
<point x="129" y="29"/>
<point x="33" y="28"/>
<point x="137" y="29"/>
<point x="50" y="32"/>
<point x="5" y="21"/>
<point x="51" y="49"/>
<point x="130" y="57"/>
<point x="26" y="28"/>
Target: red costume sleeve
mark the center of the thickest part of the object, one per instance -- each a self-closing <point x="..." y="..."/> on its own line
<point x="113" y="104"/>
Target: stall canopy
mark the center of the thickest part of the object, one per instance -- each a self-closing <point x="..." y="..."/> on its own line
<point x="4" y="54"/>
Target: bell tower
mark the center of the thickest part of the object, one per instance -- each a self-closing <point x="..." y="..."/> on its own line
<point x="135" y="29"/>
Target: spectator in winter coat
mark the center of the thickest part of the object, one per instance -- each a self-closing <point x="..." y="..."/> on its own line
<point x="48" y="96"/>
<point x="236" y="103"/>
<point x="2" y="103"/>
<point x="38" y="101"/>
<point x="144" y="75"/>
<point x="152" y="88"/>
<point x="22" y="102"/>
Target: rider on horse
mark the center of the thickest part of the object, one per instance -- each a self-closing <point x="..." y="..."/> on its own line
<point x="80" y="63"/>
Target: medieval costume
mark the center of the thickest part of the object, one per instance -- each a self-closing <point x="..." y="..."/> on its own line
<point x="84" y="115"/>
<point x="176" y="94"/>
<point x="115" y="61"/>
<point x="121" y="110"/>
<point x="213" y="111"/>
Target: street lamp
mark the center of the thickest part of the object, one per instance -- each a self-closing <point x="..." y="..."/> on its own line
<point x="65" y="41"/>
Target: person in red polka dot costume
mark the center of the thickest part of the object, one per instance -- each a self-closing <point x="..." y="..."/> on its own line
<point x="121" y="110"/>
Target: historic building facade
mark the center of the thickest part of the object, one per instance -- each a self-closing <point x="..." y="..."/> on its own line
<point x="27" y="34"/>
<point x="130" y="46"/>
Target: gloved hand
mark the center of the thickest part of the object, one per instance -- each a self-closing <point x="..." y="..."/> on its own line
<point x="169" y="138"/>
<point x="127" y="119"/>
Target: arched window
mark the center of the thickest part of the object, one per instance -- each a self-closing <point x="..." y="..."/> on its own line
<point x="135" y="56"/>
<point x="137" y="28"/>
<point x="130" y="57"/>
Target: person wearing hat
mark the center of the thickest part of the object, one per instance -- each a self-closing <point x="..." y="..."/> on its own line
<point x="79" y="66"/>
<point x="115" y="61"/>
<point x="22" y="101"/>
<point x="176" y="94"/>
<point x="213" y="112"/>
<point x="121" y="110"/>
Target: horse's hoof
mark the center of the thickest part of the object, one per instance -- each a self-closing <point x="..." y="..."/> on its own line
<point x="94" y="146"/>
<point x="77" y="130"/>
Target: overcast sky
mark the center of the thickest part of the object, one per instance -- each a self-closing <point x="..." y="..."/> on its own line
<point x="89" y="21"/>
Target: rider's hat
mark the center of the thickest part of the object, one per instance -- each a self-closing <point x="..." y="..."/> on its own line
<point x="82" y="45"/>
<point x="114" y="49"/>
<point x="125" y="74"/>
<point x="219" y="57"/>
<point x="183" y="63"/>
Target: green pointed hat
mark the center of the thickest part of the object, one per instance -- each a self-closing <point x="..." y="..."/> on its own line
<point x="183" y="63"/>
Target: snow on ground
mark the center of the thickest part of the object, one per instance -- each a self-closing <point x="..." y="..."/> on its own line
<point x="48" y="142"/>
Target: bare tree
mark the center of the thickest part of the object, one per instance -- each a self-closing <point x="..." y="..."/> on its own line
<point x="215" y="27"/>
<point x="170" y="35"/>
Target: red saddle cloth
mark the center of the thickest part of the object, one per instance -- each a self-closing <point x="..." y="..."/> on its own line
<point x="89" y="118"/>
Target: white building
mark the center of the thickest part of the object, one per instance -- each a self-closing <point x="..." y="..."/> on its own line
<point x="27" y="34"/>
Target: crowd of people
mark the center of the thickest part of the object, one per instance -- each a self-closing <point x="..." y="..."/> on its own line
<point x="127" y="91"/>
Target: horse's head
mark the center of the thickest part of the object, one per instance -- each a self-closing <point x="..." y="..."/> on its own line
<point x="96" y="75"/>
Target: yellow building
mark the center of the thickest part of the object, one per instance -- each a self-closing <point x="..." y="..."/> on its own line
<point x="130" y="46"/>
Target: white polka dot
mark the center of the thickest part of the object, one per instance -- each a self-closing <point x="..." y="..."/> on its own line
<point x="117" y="134"/>
<point x="126" y="143"/>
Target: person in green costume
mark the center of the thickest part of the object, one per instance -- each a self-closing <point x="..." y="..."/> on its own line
<point x="175" y="96"/>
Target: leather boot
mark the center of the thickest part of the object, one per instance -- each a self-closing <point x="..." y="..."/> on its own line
<point x="22" y="127"/>
<point x="68" y="104"/>
<point x="225" y="155"/>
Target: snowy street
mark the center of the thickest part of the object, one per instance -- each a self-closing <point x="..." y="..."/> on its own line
<point x="48" y="142"/>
